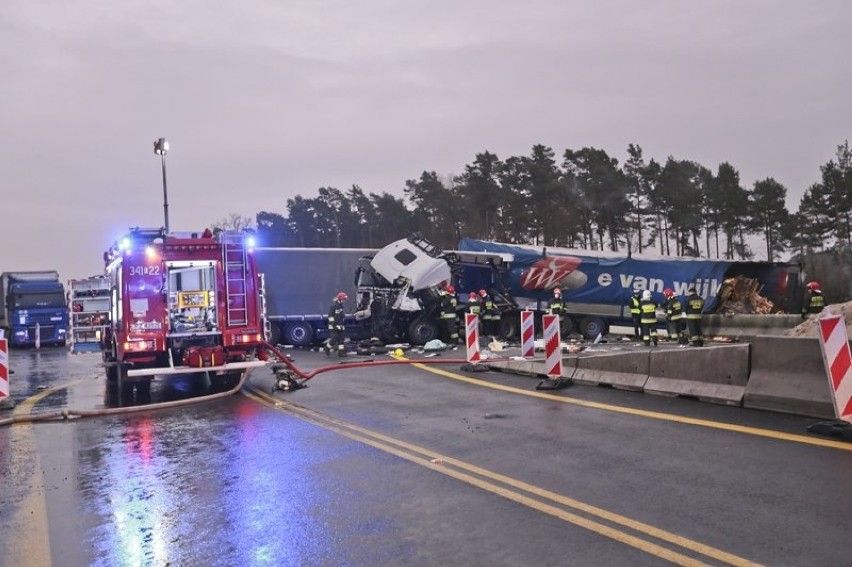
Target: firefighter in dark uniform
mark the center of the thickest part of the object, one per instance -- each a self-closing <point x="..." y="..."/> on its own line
<point x="557" y="306"/>
<point x="814" y="300"/>
<point x="636" y="313"/>
<point x="648" y="318"/>
<point x="474" y="305"/>
<point x="448" y="313"/>
<point x="694" y="307"/>
<point x="490" y="315"/>
<point x="676" y="325"/>
<point x="336" y="326"/>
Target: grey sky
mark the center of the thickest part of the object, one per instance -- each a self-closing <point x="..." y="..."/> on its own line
<point x="264" y="100"/>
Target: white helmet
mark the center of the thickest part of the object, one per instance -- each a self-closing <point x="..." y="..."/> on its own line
<point x="646" y="295"/>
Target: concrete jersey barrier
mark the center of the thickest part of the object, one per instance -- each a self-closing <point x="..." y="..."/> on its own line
<point x="788" y="376"/>
<point x="621" y="370"/>
<point x="716" y="374"/>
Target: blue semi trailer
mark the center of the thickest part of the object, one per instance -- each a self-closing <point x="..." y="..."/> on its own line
<point x="34" y="308"/>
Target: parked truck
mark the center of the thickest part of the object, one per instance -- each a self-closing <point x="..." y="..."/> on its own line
<point x="33" y="308"/>
<point x="181" y="302"/>
<point x="394" y="291"/>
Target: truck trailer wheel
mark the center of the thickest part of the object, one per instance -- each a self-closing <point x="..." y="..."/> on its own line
<point x="566" y="326"/>
<point x="510" y="326"/>
<point x="591" y="327"/>
<point x="300" y="333"/>
<point x="422" y="331"/>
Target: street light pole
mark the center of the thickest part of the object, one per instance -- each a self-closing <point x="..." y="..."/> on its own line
<point x="161" y="148"/>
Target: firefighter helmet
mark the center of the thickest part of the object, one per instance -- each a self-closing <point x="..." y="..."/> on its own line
<point x="472" y="295"/>
<point x="483" y="293"/>
<point x="557" y="291"/>
<point x="341" y="296"/>
<point x="646" y="295"/>
<point x="668" y="292"/>
<point x="814" y="286"/>
<point x="450" y="289"/>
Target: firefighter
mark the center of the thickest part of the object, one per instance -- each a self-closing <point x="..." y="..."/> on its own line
<point x="814" y="301"/>
<point x="636" y="313"/>
<point x="490" y="315"/>
<point x="694" y="307"/>
<point x="648" y="311"/>
<point x="674" y="317"/>
<point x="557" y="306"/>
<point x="474" y="305"/>
<point x="336" y="325"/>
<point x="448" y="313"/>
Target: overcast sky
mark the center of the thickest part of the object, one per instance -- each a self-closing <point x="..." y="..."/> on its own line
<point x="265" y="100"/>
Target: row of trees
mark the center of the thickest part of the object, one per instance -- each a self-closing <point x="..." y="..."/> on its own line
<point x="584" y="199"/>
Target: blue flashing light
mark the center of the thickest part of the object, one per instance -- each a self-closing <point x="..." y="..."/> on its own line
<point x="250" y="241"/>
<point x="124" y="244"/>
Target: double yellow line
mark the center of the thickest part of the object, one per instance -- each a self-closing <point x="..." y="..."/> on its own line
<point x="644" y="537"/>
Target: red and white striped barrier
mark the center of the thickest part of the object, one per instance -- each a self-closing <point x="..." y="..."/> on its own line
<point x="838" y="363"/>
<point x="471" y="333"/>
<point x="552" y="346"/>
<point x="4" y="372"/>
<point x="527" y="334"/>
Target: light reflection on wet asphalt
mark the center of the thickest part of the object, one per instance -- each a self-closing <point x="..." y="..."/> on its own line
<point x="221" y="483"/>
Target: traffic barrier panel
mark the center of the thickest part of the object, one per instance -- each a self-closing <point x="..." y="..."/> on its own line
<point x="471" y="325"/>
<point x="788" y="376"/>
<point x="624" y="370"/>
<point x="838" y="363"/>
<point x="552" y="346"/>
<point x="527" y="334"/>
<point x="716" y="374"/>
<point x="5" y="397"/>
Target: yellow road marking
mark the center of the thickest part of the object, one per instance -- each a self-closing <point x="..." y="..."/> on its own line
<point x="30" y="544"/>
<point x="644" y="413"/>
<point x="441" y="463"/>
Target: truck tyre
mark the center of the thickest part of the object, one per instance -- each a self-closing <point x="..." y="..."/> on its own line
<point x="510" y="326"/>
<point x="300" y="333"/>
<point x="421" y="331"/>
<point x="591" y="327"/>
<point x="566" y="326"/>
<point x="274" y="334"/>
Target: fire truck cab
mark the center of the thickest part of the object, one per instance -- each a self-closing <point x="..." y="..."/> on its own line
<point x="181" y="302"/>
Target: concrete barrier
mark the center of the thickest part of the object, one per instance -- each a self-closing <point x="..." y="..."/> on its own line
<point x="748" y="326"/>
<point x="534" y="367"/>
<point x="622" y="370"/>
<point x="788" y="376"/>
<point x="716" y="374"/>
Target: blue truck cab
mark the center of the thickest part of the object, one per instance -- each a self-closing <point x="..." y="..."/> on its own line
<point x="34" y="308"/>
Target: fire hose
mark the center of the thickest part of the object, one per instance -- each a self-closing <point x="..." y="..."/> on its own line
<point x="288" y="377"/>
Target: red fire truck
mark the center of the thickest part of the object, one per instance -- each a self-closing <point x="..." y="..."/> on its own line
<point x="182" y="302"/>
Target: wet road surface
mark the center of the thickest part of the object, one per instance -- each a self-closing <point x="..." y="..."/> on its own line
<point x="408" y="465"/>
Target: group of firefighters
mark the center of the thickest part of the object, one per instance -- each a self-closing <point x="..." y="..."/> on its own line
<point x="683" y="318"/>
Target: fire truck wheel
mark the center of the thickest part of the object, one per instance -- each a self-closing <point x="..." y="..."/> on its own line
<point x="299" y="333"/>
<point x="112" y="373"/>
<point x="143" y="387"/>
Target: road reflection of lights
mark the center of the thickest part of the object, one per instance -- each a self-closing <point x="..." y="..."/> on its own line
<point x="273" y="503"/>
<point x="139" y="500"/>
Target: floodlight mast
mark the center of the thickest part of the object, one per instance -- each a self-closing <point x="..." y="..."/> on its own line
<point x="161" y="148"/>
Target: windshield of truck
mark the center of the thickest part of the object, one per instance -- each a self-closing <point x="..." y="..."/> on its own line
<point x="38" y="300"/>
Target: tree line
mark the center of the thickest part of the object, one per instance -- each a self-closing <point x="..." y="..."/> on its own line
<point x="582" y="199"/>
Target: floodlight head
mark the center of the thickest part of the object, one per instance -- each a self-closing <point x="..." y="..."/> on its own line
<point x="161" y="147"/>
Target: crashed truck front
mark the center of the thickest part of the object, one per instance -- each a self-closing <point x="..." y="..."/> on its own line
<point x="397" y="290"/>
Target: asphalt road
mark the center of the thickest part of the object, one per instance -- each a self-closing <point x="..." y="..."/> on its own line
<point x="414" y="465"/>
